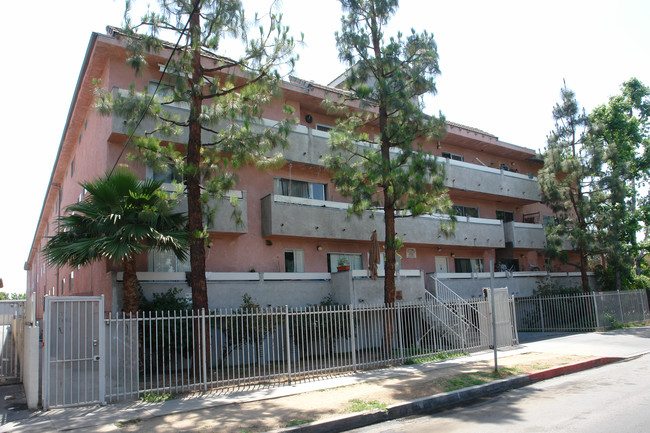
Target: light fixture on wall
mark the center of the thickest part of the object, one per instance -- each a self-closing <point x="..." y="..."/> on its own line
<point x="453" y="255"/>
<point x="268" y="242"/>
<point x="319" y="248"/>
<point x="439" y="249"/>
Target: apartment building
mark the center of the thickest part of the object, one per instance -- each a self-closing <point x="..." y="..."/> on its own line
<point x="294" y="223"/>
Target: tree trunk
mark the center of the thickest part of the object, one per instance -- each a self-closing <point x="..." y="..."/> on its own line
<point x="193" y="176"/>
<point x="130" y="301"/>
<point x="389" y="262"/>
<point x="583" y="271"/>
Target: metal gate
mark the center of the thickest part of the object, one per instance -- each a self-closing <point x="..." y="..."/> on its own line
<point x="73" y="351"/>
<point x="503" y="319"/>
<point x="11" y="332"/>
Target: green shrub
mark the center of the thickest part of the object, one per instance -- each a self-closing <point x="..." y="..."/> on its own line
<point x="547" y="287"/>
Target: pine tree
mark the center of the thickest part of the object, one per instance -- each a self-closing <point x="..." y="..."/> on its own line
<point x="225" y="97"/>
<point x="571" y="163"/>
<point x="387" y="78"/>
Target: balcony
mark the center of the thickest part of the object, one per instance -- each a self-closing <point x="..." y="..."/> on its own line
<point x="486" y="180"/>
<point x="223" y="221"/>
<point x="524" y="235"/>
<point x="291" y="216"/>
<point x="309" y="146"/>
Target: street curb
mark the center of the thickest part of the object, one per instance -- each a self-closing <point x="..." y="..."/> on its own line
<point x="445" y="400"/>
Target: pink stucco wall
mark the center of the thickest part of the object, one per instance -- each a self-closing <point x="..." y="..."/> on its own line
<point x="95" y="149"/>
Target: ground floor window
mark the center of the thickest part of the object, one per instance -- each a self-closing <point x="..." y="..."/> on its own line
<point x="294" y="261"/>
<point x="354" y="260"/>
<point x="468" y="265"/>
<point x="166" y="261"/>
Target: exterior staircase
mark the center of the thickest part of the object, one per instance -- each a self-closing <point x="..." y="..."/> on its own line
<point x="454" y="319"/>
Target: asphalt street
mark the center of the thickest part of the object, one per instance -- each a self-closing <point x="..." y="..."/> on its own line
<point x="612" y="398"/>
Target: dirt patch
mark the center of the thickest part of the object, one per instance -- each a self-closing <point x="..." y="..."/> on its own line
<point x="277" y="413"/>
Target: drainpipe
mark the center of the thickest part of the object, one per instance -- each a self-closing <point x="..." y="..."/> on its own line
<point x="58" y="214"/>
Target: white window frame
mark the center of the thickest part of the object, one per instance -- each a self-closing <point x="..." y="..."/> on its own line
<point x="298" y="260"/>
<point x="464" y="210"/>
<point x="454" y="156"/>
<point x="323" y="128"/>
<point x="166" y="261"/>
<point x="311" y="186"/>
<point x="355" y="260"/>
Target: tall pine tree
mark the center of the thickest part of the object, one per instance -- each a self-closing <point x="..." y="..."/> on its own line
<point x="387" y="78"/>
<point x="225" y="97"/>
<point x="566" y="180"/>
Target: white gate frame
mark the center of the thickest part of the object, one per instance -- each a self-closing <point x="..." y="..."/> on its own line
<point x="66" y="353"/>
<point x="11" y="338"/>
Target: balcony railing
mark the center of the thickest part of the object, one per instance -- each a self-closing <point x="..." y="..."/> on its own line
<point x="223" y="220"/>
<point x="291" y="216"/>
<point x="309" y="146"/>
<point x="487" y="180"/>
<point x="524" y="235"/>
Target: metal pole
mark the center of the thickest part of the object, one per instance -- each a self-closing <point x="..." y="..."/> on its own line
<point x="494" y="318"/>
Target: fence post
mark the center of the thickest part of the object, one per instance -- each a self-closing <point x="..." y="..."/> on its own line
<point x="620" y="306"/>
<point x="287" y="343"/>
<point x="399" y="332"/>
<point x="353" y="341"/>
<point x="541" y="312"/>
<point x="204" y="351"/>
<point x="514" y="319"/>
<point x="596" y="310"/>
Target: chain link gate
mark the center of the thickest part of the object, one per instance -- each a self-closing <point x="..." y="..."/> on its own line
<point x="73" y="351"/>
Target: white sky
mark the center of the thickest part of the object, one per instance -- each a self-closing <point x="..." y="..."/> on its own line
<point x="502" y="66"/>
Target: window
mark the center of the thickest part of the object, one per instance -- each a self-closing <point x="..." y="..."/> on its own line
<point x="510" y="265"/>
<point x="72" y="168"/>
<point x="382" y="261"/>
<point x="299" y="188"/>
<point x="164" y="91"/>
<point x="354" y="260"/>
<point x="324" y="128"/>
<point x="168" y="175"/>
<point x="294" y="261"/>
<point x="548" y="220"/>
<point x="505" y="215"/>
<point x="454" y="156"/>
<point x="165" y="94"/>
<point x="71" y="282"/>
<point x="469" y="211"/>
<point x="468" y="265"/>
<point x="166" y="261"/>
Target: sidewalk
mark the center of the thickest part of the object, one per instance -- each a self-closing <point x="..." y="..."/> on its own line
<point x="321" y="405"/>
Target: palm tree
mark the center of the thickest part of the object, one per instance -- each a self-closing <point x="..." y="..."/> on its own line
<point x="121" y="217"/>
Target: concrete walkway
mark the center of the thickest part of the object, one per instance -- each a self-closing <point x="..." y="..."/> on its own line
<point x="320" y="404"/>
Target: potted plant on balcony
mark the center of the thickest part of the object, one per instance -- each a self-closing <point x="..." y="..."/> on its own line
<point x="343" y="264"/>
